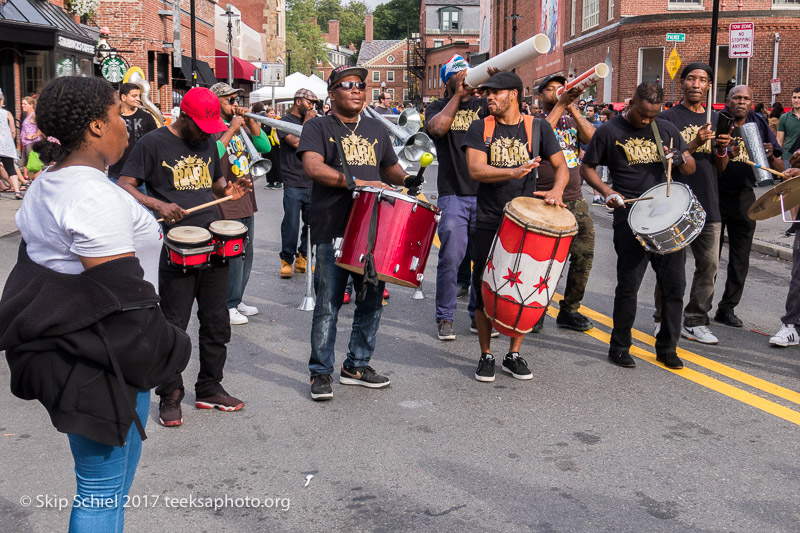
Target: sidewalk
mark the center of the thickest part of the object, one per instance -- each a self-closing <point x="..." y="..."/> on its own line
<point x="768" y="240"/>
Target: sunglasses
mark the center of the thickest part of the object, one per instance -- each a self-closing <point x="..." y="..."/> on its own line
<point x="348" y="85"/>
<point x="233" y="100"/>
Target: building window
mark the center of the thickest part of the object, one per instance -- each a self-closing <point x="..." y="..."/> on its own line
<point x="391" y="94"/>
<point x="376" y="75"/>
<point x="438" y="42"/>
<point x="405" y="56"/>
<point x="610" y="9"/>
<point x="572" y="19"/>
<point x="450" y="18"/>
<point x="390" y="59"/>
<point x="390" y="75"/>
<point x="430" y="78"/>
<point x="786" y="3"/>
<point x="591" y="14"/>
<point x="37" y="71"/>
<point x="685" y="3"/>
<point x="730" y="73"/>
<point x="405" y="95"/>
<point x="405" y="75"/>
<point x="651" y="64"/>
<point x="375" y="93"/>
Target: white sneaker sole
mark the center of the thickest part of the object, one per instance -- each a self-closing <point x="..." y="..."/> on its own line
<point x="447" y="337"/>
<point x="248" y="313"/>
<point x="238" y="322"/>
<point x="485" y="379"/>
<point x="782" y="343"/>
<point x="353" y="381"/>
<point x="494" y="334"/>
<point x="323" y="396"/>
<point x="517" y="376"/>
<point x="226" y="408"/>
<point x="691" y="337"/>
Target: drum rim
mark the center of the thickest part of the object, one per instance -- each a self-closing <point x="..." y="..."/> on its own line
<point x="204" y="240"/>
<point x="543" y="230"/>
<point x="633" y="208"/>
<point x="228" y="233"/>
<point x="399" y="196"/>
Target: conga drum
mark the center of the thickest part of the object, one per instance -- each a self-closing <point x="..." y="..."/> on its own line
<point x="525" y="263"/>
<point x="190" y="247"/>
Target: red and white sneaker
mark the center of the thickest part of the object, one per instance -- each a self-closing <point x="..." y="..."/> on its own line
<point x="346" y="299"/>
<point x="222" y="401"/>
<point x="385" y="294"/>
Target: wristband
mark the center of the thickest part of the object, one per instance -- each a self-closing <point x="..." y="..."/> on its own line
<point x="724" y="152"/>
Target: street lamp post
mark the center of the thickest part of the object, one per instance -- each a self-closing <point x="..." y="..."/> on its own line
<point x="194" y="47"/>
<point x="230" y="14"/>
<point x="289" y="61"/>
<point x="513" y="17"/>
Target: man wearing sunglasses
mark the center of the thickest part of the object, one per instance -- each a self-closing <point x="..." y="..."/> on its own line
<point x="371" y="161"/>
<point x="235" y="161"/>
<point x="384" y="106"/>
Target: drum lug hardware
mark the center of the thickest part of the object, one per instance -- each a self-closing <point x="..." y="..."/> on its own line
<point x="437" y="218"/>
<point x="337" y="254"/>
<point x="414" y="209"/>
<point x="396" y="269"/>
<point x="419" y="277"/>
<point x="414" y="263"/>
<point x="356" y="195"/>
<point x="337" y="243"/>
<point x="361" y="258"/>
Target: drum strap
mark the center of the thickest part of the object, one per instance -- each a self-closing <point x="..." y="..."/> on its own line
<point x="659" y="145"/>
<point x="348" y="176"/>
<point x="370" y="278"/>
<point x="533" y="141"/>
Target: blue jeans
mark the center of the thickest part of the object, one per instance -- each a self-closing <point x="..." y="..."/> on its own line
<point x="141" y="188"/>
<point x="105" y="472"/>
<point x="329" y="283"/>
<point x="455" y="226"/>
<point x="238" y="268"/>
<point x="296" y="201"/>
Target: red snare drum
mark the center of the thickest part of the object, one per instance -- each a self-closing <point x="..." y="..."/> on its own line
<point x="230" y="236"/>
<point x="405" y="230"/>
<point x="526" y="260"/>
<point x="190" y="247"/>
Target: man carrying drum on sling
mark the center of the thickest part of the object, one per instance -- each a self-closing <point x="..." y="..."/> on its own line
<point x="503" y="164"/>
<point x="628" y="145"/>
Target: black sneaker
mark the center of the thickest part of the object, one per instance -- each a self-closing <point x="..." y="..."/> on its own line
<point x="670" y="360"/>
<point x="621" y="358"/>
<point x="446" y="331"/>
<point x="539" y="326"/>
<point x="221" y="400"/>
<point x="516" y="366"/>
<point x="321" y="388"/>
<point x="169" y="409"/>
<point x="729" y="319"/>
<point x="575" y="321"/>
<point x="463" y="290"/>
<point x="364" y="376"/>
<point x="473" y="328"/>
<point x="485" y="371"/>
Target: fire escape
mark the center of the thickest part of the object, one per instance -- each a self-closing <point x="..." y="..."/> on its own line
<point x="415" y="64"/>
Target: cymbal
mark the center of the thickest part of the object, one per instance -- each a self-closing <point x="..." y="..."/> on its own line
<point x="769" y="205"/>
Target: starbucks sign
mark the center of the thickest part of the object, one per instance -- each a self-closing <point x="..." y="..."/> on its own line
<point x="64" y="67"/>
<point x="113" y="69"/>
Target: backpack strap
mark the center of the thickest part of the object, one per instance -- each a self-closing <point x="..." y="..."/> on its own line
<point x="529" y="132"/>
<point x="488" y="130"/>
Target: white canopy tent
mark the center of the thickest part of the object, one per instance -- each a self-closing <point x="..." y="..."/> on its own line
<point x="294" y="82"/>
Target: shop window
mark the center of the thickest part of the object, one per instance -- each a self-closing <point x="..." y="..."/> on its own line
<point x="37" y="71"/>
<point x="651" y="64"/>
<point x="730" y="73"/>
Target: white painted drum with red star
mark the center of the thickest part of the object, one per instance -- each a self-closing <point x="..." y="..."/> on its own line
<point x="525" y="263"/>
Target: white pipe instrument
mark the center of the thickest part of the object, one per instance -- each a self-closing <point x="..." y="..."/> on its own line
<point x="587" y="79"/>
<point x="510" y="59"/>
<point x="286" y="127"/>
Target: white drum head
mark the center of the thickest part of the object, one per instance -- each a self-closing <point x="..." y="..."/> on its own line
<point x="227" y="227"/>
<point x="189" y="235"/>
<point x="658" y="214"/>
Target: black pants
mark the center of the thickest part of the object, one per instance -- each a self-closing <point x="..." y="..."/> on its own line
<point x="178" y="291"/>
<point x="632" y="260"/>
<point x="740" y="239"/>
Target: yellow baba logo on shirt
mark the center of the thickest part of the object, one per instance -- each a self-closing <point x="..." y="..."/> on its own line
<point x="689" y="133"/>
<point x="640" y="151"/>
<point x="358" y="151"/>
<point x="743" y="157"/>
<point x="190" y="173"/>
<point x="508" y="152"/>
<point x="464" y="117"/>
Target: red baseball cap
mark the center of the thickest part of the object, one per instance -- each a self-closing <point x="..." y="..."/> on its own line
<point x="202" y="106"/>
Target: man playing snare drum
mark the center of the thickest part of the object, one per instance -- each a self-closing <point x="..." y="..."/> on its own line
<point x="503" y="165"/>
<point x="627" y="145"/>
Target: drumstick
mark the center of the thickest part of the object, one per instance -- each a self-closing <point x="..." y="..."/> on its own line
<point x="631" y="200"/>
<point x="669" y="167"/>
<point x="781" y="174"/>
<point x="709" y="107"/>
<point x="203" y="206"/>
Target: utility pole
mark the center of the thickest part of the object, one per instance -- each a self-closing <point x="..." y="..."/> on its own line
<point x="712" y="59"/>
<point x="230" y="14"/>
<point x="194" y="47"/>
<point x="289" y="61"/>
<point x="513" y="17"/>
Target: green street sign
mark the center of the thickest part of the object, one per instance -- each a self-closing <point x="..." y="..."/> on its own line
<point x="676" y="37"/>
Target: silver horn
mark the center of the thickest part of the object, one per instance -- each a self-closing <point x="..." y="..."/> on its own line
<point x="414" y="144"/>
<point x="287" y="127"/>
<point x="259" y="166"/>
<point x="410" y="120"/>
<point x="137" y="79"/>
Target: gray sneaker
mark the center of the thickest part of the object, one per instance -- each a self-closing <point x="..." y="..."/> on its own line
<point x="446" y="331"/>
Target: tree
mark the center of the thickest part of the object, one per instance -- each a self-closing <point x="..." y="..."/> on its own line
<point x="303" y="37"/>
<point x="393" y="18"/>
<point x="328" y="10"/>
<point x="351" y="23"/>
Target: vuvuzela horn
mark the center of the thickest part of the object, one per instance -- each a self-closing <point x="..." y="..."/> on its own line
<point x="287" y="127"/>
<point x="587" y="79"/>
<point x="511" y="58"/>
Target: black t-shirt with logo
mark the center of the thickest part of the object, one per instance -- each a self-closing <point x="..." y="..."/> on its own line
<point x="453" y="177"/>
<point x="567" y="136"/>
<point x="367" y="149"/>
<point x="138" y="124"/>
<point x="508" y="149"/>
<point x="738" y="175"/>
<point x="176" y="172"/>
<point x="632" y="156"/>
<point x="704" y="180"/>
<point x="292" y="172"/>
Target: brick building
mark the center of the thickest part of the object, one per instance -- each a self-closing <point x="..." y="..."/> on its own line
<point x="267" y="17"/>
<point x="386" y="62"/>
<point x="631" y="36"/>
<point x="338" y="55"/>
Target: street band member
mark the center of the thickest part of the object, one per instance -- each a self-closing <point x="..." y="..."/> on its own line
<point x="503" y="168"/>
<point x="626" y="144"/>
<point x="180" y="166"/>
<point x="370" y="158"/>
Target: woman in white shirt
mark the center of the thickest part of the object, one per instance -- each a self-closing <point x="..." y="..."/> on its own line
<point x="74" y="219"/>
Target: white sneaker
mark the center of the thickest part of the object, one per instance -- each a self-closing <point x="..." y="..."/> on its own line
<point x="700" y="334"/>
<point x="786" y="336"/>
<point x="656" y="328"/>
<point x="236" y="317"/>
<point x="247" y="310"/>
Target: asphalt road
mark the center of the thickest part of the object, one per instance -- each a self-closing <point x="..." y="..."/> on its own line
<point x="584" y="446"/>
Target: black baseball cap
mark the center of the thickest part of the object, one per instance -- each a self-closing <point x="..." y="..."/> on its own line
<point x="503" y="80"/>
<point x="552" y="77"/>
<point x="343" y="71"/>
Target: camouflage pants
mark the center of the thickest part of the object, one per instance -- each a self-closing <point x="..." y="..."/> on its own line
<point x="581" y="256"/>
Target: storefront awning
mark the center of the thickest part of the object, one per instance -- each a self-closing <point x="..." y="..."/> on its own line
<point x="205" y="76"/>
<point x="242" y="70"/>
<point x="40" y="23"/>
